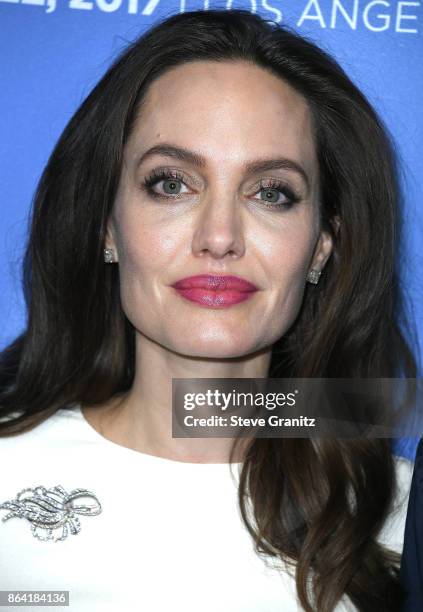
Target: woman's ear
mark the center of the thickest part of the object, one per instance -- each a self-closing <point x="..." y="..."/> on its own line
<point x="110" y="242"/>
<point x="324" y="246"/>
<point x="322" y="251"/>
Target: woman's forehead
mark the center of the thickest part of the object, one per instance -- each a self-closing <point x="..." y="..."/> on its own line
<point x="229" y="110"/>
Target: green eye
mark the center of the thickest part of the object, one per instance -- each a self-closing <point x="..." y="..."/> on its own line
<point x="271" y="191"/>
<point x="171" y="186"/>
<point x="272" y="195"/>
<point x="172" y="182"/>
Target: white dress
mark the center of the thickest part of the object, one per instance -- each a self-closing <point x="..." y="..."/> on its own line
<point x="169" y="536"/>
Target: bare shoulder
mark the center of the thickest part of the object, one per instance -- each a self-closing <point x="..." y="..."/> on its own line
<point x="392" y="534"/>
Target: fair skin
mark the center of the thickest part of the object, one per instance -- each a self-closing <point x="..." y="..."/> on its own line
<point x="223" y="222"/>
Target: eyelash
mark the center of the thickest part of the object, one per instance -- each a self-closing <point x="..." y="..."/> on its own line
<point x="157" y="175"/>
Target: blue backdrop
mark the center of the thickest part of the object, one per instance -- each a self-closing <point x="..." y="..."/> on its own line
<point x="54" y="51"/>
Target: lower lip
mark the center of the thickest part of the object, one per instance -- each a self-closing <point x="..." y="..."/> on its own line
<point x="215" y="299"/>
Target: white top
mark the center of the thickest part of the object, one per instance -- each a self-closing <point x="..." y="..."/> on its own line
<point x="169" y="537"/>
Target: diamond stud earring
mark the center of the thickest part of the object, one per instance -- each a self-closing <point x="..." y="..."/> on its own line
<point x="313" y="276"/>
<point x="109" y="256"/>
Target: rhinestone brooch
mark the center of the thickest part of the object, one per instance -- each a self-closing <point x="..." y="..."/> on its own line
<point x="51" y="512"/>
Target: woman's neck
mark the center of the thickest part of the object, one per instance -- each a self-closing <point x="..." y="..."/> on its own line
<point x="141" y="419"/>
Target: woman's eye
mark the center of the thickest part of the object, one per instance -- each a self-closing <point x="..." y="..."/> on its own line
<point x="172" y="186"/>
<point x="165" y="185"/>
<point x="272" y="195"/>
<point x="278" y="196"/>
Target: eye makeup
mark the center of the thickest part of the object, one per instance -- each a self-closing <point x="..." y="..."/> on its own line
<point x="266" y="185"/>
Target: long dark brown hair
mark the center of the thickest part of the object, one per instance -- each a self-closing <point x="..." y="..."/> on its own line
<point x="78" y="346"/>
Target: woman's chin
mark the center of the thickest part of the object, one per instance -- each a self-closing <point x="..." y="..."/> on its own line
<point x="216" y="348"/>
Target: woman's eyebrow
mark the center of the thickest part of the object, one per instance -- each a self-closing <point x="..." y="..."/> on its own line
<point x="196" y="159"/>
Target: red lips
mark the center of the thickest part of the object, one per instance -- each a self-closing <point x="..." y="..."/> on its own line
<point x="215" y="282"/>
<point x="215" y="291"/>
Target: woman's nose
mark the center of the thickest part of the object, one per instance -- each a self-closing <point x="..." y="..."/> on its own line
<point x="219" y="227"/>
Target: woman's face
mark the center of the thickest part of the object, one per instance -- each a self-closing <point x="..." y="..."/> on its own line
<point x="208" y="211"/>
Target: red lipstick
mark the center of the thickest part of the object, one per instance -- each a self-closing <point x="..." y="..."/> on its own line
<point x="215" y="291"/>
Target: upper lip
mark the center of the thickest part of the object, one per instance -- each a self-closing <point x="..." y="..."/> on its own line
<point x="215" y="282"/>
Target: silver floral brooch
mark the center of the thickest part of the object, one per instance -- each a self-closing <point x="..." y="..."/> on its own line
<point x="51" y="512"/>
